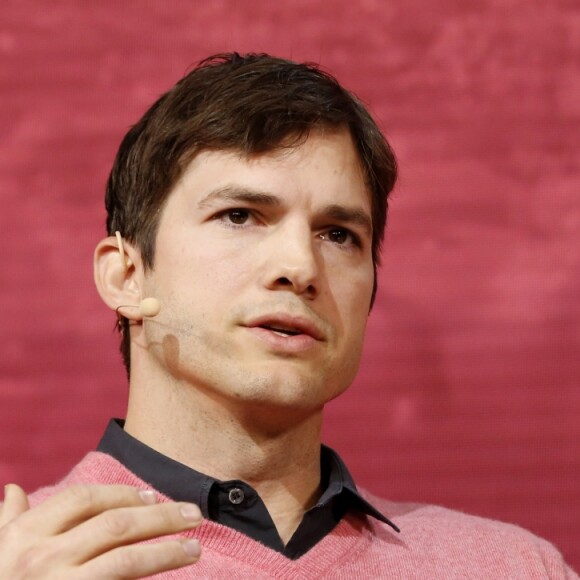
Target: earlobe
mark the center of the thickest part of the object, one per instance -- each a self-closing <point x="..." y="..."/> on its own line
<point x="116" y="274"/>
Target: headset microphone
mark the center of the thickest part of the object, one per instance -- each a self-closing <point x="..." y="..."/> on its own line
<point x="148" y="307"/>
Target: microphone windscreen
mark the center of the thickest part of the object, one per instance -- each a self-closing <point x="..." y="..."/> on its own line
<point x="150" y="307"/>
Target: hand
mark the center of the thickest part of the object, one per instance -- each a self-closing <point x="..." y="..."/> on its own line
<point x="90" y="532"/>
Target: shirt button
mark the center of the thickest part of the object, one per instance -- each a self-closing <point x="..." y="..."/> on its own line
<point x="236" y="495"/>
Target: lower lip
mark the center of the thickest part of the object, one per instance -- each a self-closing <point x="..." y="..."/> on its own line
<point x="289" y="344"/>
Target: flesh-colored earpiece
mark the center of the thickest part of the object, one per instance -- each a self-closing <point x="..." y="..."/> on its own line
<point x="149" y="307"/>
<point x="124" y="259"/>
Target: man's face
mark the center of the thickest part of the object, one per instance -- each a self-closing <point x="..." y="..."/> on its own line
<point x="263" y="268"/>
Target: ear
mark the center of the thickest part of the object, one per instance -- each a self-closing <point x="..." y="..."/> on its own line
<point x="118" y="275"/>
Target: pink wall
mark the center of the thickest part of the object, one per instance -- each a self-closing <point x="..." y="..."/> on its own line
<point x="469" y="395"/>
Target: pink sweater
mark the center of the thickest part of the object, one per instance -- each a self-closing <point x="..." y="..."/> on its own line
<point x="434" y="543"/>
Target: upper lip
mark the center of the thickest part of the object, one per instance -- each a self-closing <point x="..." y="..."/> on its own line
<point x="299" y="324"/>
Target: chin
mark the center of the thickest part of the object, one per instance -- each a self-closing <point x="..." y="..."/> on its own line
<point x="287" y="390"/>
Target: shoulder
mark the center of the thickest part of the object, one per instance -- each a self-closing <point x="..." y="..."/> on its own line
<point x="453" y="538"/>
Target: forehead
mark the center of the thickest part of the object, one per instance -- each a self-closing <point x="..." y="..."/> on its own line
<point x="323" y="166"/>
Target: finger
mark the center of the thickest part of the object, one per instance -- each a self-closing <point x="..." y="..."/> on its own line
<point x="143" y="560"/>
<point x="15" y="503"/>
<point x="78" y="503"/>
<point x="121" y="527"/>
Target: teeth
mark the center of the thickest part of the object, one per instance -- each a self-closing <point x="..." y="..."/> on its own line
<point x="282" y="331"/>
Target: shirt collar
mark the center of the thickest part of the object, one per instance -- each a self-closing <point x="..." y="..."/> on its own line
<point x="340" y="480"/>
<point x="181" y="483"/>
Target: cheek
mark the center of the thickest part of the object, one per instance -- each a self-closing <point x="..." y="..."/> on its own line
<point x="355" y="296"/>
<point x="357" y="325"/>
<point x="202" y="261"/>
<point x="358" y="288"/>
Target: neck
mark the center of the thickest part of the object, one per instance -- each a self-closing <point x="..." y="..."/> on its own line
<point x="275" y="450"/>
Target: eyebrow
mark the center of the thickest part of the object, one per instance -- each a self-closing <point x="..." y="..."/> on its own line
<point x="242" y="194"/>
<point x="340" y="213"/>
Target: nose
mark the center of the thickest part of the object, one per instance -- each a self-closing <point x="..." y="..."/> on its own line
<point x="291" y="261"/>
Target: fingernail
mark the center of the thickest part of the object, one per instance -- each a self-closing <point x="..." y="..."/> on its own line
<point x="147" y="496"/>
<point x="190" y="512"/>
<point x="192" y="548"/>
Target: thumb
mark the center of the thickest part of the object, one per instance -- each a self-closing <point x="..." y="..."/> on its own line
<point x="15" y="503"/>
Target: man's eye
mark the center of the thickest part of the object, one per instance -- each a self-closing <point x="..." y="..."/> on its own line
<point x="338" y="236"/>
<point x="237" y="216"/>
<point x="341" y="237"/>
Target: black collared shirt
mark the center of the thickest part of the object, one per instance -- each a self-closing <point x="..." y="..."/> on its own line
<point x="235" y="503"/>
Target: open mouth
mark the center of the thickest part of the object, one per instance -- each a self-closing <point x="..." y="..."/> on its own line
<point x="296" y="329"/>
<point x="281" y="331"/>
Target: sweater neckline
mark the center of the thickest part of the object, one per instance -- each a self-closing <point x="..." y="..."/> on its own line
<point x="350" y="538"/>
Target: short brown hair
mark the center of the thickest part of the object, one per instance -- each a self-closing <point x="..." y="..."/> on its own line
<point x="252" y="104"/>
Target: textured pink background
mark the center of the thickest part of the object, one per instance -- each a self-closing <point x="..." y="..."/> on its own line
<point x="469" y="394"/>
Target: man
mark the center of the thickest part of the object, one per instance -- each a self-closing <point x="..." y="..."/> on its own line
<point x="245" y="215"/>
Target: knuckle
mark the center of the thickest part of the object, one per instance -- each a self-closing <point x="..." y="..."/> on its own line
<point x="82" y="495"/>
<point x="27" y="556"/>
<point x="10" y="535"/>
<point x="124" y="564"/>
<point x="118" y="523"/>
<point x="43" y="557"/>
<point x="32" y="561"/>
<point x="167" y="515"/>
